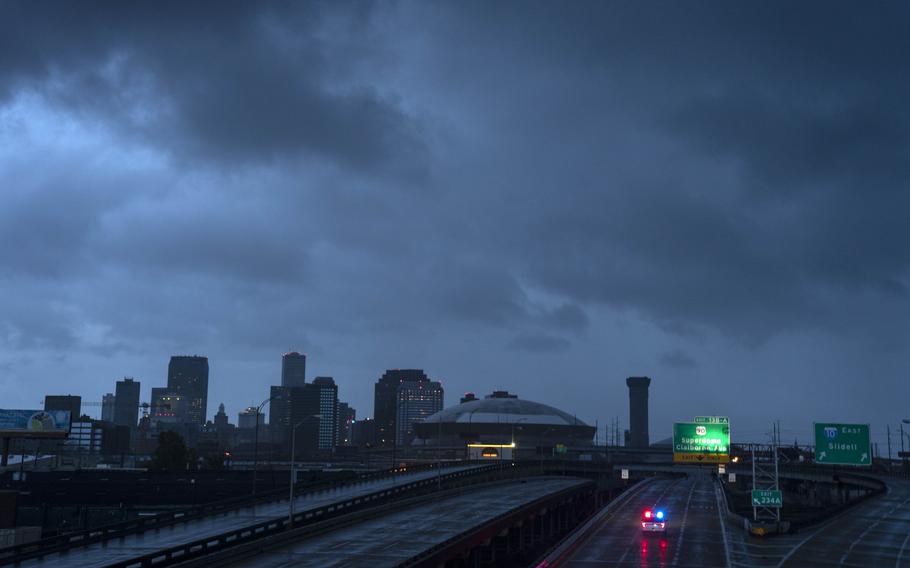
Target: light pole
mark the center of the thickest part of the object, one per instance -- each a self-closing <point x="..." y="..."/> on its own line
<point x="520" y="420"/>
<point x="540" y="445"/>
<point x="293" y="455"/>
<point x="256" y="438"/>
<point x="904" y="421"/>
<point x="438" y="452"/>
<point x="470" y="427"/>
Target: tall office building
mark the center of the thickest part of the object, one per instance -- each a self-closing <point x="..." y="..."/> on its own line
<point x="293" y="369"/>
<point x="221" y="418"/>
<point x="312" y="409"/>
<point x="126" y="403"/>
<point x="638" y="412"/>
<point x="188" y="376"/>
<point x="346" y="419"/>
<point x="363" y="432"/>
<point x="168" y="406"/>
<point x="246" y="420"/>
<point x="107" y="407"/>
<point x="280" y="418"/>
<point x="402" y="397"/>
<point x="326" y="392"/>
<point x="69" y="402"/>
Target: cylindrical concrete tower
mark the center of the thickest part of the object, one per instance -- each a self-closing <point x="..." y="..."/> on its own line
<point x="638" y="411"/>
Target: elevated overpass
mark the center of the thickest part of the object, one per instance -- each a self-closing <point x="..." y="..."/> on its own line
<point x="488" y="525"/>
<point x="120" y="549"/>
<point x="501" y="518"/>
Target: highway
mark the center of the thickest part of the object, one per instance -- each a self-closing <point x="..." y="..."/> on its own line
<point x="394" y="538"/>
<point x="875" y="533"/>
<point x="695" y="536"/>
<point x="102" y="554"/>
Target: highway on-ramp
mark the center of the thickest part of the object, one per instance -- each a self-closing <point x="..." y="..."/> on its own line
<point x="394" y="538"/>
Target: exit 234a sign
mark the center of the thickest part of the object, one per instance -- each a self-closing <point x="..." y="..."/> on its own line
<point x="770" y="498"/>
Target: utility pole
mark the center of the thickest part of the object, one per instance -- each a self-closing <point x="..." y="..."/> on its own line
<point x="889" y="445"/>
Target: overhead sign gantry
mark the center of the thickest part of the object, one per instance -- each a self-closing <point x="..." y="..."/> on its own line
<point x="702" y="441"/>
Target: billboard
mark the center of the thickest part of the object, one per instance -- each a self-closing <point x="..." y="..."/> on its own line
<point x="38" y="422"/>
<point x="701" y="442"/>
<point x="842" y="444"/>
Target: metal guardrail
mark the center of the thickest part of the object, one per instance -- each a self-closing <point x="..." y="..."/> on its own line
<point x="427" y="556"/>
<point x="852" y="476"/>
<point x="562" y="550"/>
<point x="76" y="539"/>
<point x="220" y="542"/>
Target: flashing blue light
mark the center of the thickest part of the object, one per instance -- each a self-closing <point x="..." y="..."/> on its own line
<point x="660" y="514"/>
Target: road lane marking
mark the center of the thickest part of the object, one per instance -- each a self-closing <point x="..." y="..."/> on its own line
<point x="682" y="526"/>
<point x="869" y="528"/>
<point x="723" y="528"/>
<point x="825" y="525"/>
<point x="901" y="553"/>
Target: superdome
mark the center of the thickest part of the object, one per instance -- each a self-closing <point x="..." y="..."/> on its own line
<point x="502" y="417"/>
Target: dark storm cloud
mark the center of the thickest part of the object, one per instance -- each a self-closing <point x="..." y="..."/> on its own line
<point x="234" y="83"/>
<point x="411" y="179"/>
<point x="741" y="168"/>
<point x="678" y="359"/>
<point x="539" y="343"/>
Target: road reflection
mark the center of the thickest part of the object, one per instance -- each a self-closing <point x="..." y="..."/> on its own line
<point x="653" y="552"/>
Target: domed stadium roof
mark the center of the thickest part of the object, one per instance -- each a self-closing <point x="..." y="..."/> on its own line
<point x="503" y="408"/>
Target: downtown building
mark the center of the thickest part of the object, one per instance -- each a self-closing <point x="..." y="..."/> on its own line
<point x="347" y="417"/>
<point x="108" y="403"/>
<point x="401" y="398"/>
<point x="126" y="403"/>
<point x="293" y="369"/>
<point x="168" y="406"/>
<point x="67" y="402"/>
<point x="310" y="407"/>
<point x="188" y="378"/>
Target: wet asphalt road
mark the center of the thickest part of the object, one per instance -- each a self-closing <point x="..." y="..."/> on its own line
<point x="874" y="534"/>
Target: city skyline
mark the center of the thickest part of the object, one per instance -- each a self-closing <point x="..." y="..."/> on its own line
<point x="713" y="197"/>
<point x="658" y="427"/>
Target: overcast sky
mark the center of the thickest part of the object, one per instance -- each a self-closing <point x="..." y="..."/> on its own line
<point x="539" y="197"/>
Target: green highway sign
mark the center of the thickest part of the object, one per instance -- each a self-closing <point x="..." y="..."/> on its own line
<point x="842" y="444"/>
<point x="701" y="442"/>
<point x="770" y="498"/>
<point x="711" y="420"/>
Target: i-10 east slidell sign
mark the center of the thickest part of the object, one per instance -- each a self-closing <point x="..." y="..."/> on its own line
<point x="842" y="444"/>
<point x="701" y="442"/>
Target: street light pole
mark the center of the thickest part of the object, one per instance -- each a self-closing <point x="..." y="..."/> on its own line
<point x="438" y="453"/>
<point x="293" y="460"/>
<point x="470" y="429"/>
<point x="256" y="439"/>
<point x="513" y="435"/>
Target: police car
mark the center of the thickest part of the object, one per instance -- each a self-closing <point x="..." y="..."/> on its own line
<point x="654" y="520"/>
